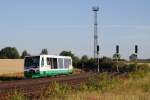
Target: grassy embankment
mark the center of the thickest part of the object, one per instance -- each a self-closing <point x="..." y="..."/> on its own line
<point x="103" y="86"/>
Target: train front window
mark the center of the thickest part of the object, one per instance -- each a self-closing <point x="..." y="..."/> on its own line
<point x="32" y="61"/>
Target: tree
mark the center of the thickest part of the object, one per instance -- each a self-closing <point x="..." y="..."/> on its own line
<point x="44" y="51"/>
<point x="106" y="59"/>
<point x="83" y="61"/>
<point x="84" y="58"/>
<point x="91" y="65"/>
<point x="25" y="53"/>
<point x="106" y="64"/>
<point x="66" y="53"/>
<point x="9" y="53"/>
<point x="75" y="60"/>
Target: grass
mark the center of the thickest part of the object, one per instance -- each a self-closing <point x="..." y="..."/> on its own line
<point x="56" y="91"/>
<point x="103" y="86"/>
<point x="95" y="95"/>
<point x="16" y="95"/>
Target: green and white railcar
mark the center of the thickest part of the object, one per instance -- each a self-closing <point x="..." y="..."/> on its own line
<point x="47" y="65"/>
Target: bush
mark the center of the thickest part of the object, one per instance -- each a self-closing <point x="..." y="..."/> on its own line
<point x="123" y="67"/>
<point x="127" y="68"/>
<point x="106" y="64"/>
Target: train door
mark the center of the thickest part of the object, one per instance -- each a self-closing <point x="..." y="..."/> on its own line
<point x="55" y="63"/>
<point x="60" y="63"/>
<point x="49" y="62"/>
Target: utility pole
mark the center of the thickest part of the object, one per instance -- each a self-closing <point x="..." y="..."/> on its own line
<point x="95" y="10"/>
<point x="96" y="46"/>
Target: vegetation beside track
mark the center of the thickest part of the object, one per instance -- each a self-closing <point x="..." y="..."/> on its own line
<point x="20" y="76"/>
<point x="131" y="86"/>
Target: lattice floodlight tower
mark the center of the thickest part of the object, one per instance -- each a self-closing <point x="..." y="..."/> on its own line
<point x="95" y="10"/>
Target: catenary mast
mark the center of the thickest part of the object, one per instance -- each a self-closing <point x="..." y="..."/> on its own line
<point x="96" y="46"/>
<point x="95" y="10"/>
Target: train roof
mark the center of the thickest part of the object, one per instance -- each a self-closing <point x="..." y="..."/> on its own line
<point x="54" y="56"/>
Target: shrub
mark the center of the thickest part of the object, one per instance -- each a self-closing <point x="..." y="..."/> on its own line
<point x="132" y="67"/>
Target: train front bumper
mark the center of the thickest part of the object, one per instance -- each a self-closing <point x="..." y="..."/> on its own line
<point x="31" y="74"/>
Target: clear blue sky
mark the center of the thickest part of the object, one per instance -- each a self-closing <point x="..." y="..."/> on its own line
<point x="68" y="25"/>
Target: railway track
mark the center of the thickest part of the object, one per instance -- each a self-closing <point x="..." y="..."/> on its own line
<point x="33" y="86"/>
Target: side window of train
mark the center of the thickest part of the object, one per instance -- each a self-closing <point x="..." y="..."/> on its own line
<point x="42" y="62"/>
<point x="67" y="63"/>
<point x="52" y="63"/>
<point x="49" y="61"/>
<point x="55" y="63"/>
<point x="60" y="62"/>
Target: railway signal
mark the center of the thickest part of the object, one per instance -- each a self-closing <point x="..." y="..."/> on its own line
<point x="136" y="52"/>
<point x="117" y="53"/>
<point x="117" y="49"/>
<point x="97" y="49"/>
<point x="136" y="49"/>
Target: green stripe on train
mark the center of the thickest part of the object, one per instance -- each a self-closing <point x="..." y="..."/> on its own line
<point x="47" y="73"/>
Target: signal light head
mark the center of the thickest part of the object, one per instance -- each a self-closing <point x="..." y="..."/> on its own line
<point x="136" y="48"/>
<point x="117" y="49"/>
